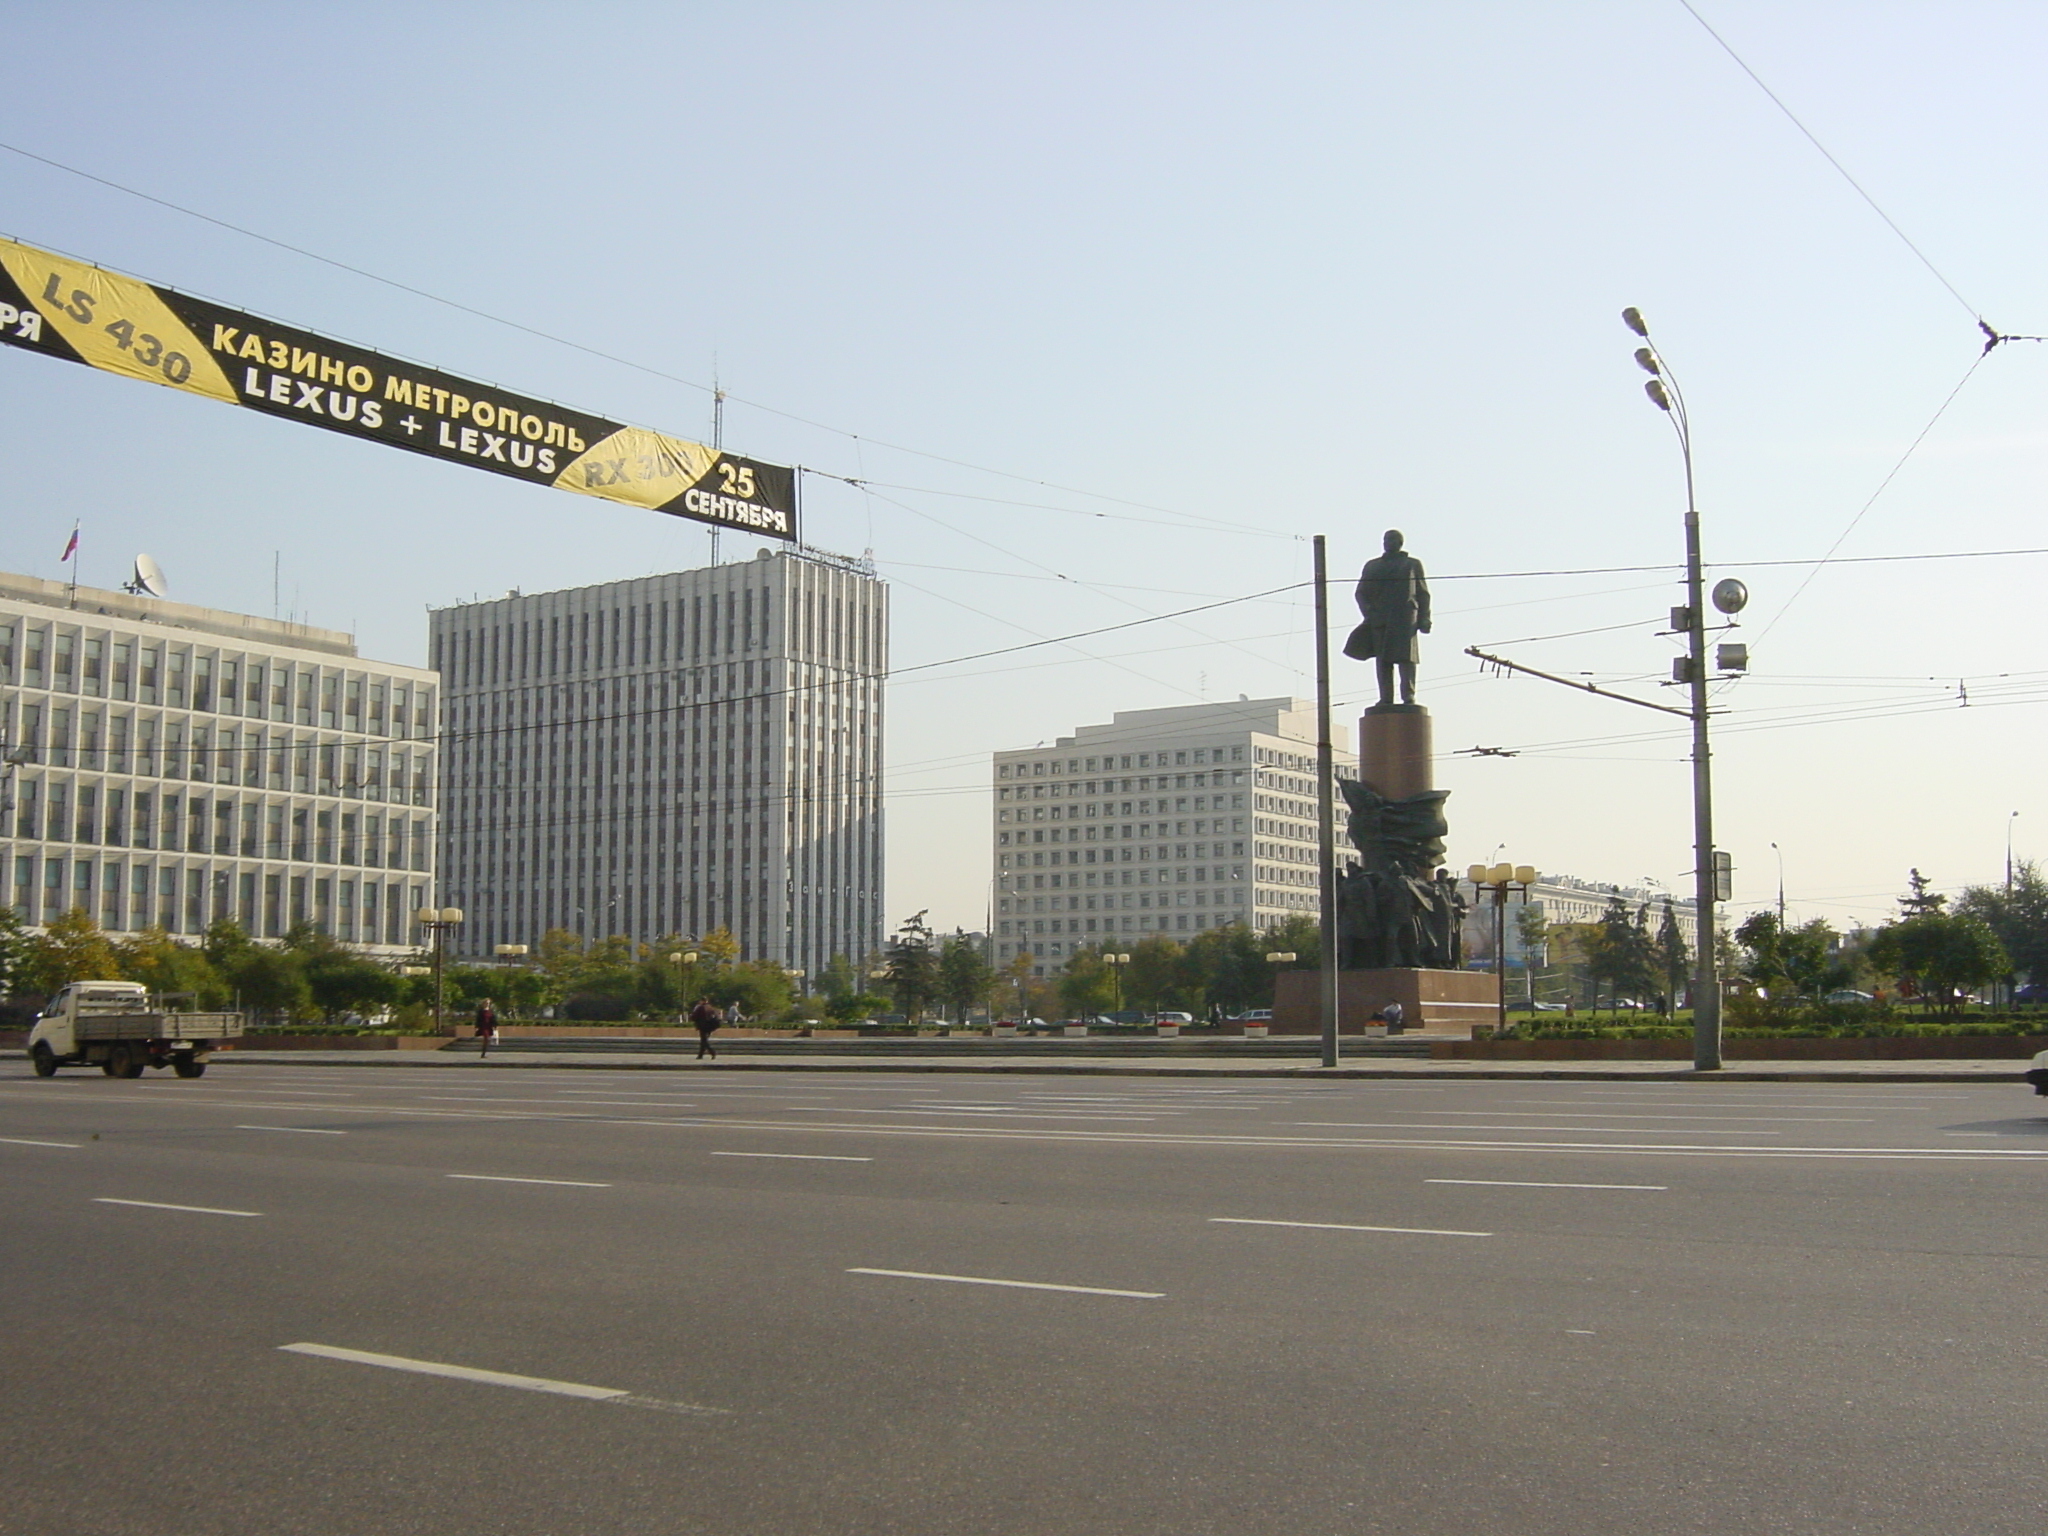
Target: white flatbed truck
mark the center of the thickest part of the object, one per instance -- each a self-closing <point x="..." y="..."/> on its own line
<point x="118" y="1027"/>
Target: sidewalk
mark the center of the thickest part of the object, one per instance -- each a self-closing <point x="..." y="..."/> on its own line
<point x="1968" y="1071"/>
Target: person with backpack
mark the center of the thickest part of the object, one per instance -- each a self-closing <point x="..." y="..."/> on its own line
<point x="707" y="1018"/>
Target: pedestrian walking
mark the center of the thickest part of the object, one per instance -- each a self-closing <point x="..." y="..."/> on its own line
<point x="486" y="1025"/>
<point x="707" y="1018"/>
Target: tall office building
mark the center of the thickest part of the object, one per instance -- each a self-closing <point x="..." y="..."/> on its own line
<point x="671" y="755"/>
<point x="162" y="763"/>
<point x="1163" y="821"/>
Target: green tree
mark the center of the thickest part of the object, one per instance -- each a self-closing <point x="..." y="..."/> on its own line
<point x="271" y="982"/>
<point x="1673" y="956"/>
<point x="1940" y="955"/>
<point x="1621" y="953"/>
<point x="169" y="968"/>
<point x="1919" y="899"/>
<point x="2018" y="914"/>
<point x="226" y="942"/>
<point x="1532" y="926"/>
<point x="1301" y="934"/>
<point x="1086" y="985"/>
<point x="847" y="1007"/>
<point x="71" y="948"/>
<point x="839" y="978"/>
<point x="965" y="978"/>
<point x="1226" y="968"/>
<point x="15" y="952"/>
<point x="913" y="967"/>
<point x="1152" y="980"/>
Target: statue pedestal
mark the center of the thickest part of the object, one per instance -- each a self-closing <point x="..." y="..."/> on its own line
<point x="1396" y="750"/>
<point x="1447" y="1002"/>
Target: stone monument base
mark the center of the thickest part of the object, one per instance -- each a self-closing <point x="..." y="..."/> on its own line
<point x="1451" y="1001"/>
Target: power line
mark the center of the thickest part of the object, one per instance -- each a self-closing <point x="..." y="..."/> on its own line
<point x="584" y="347"/>
<point x="1842" y="170"/>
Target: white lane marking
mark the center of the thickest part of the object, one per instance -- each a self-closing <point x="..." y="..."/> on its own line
<point x="1582" y="1130"/>
<point x="1021" y="1285"/>
<point x="158" y="1205"/>
<point x="296" y="1130"/>
<point x="987" y="1132"/>
<point x="1341" y="1226"/>
<point x="1788" y="1119"/>
<point x="23" y="1141"/>
<point x="1534" y="1184"/>
<point x="853" y="1109"/>
<point x="495" y="1378"/>
<point x="805" y="1157"/>
<point x="506" y="1178"/>
<point x="1586" y="1331"/>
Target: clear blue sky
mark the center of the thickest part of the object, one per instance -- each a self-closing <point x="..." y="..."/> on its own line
<point x="1266" y="270"/>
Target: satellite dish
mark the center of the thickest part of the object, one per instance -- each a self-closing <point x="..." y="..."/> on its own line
<point x="149" y="578"/>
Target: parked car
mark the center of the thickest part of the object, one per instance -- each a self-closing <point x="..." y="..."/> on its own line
<point x="1255" y="1016"/>
<point x="1173" y="1018"/>
<point x="1543" y="1007"/>
<point x="1849" y="995"/>
<point x="2032" y="992"/>
<point x="2037" y="1074"/>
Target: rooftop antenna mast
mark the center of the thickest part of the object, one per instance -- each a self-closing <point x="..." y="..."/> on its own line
<point x="717" y="437"/>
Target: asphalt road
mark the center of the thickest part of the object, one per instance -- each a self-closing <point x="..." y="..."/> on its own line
<point x="758" y="1303"/>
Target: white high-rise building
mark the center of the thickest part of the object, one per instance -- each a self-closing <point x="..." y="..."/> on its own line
<point x="163" y="763"/>
<point x="671" y="755"/>
<point x="1163" y="821"/>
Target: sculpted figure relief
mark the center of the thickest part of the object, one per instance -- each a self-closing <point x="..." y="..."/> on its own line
<point x="1393" y="604"/>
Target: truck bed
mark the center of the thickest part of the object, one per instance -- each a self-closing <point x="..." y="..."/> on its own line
<point x="159" y="1026"/>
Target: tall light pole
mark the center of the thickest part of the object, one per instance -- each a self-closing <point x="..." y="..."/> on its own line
<point x="439" y="922"/>
<point x="1781" y="883"/>
<point x="2015" y="816"/>
<point x="1116" y="964"/>
<point x="1665" y="394"/>
<point x="1327" y="984"/>
<point x="680" y="960"/>
<point x="1497" y="880"/>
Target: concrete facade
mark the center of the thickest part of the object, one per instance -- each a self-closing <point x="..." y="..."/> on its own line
<point x="1207" y="813"/>
<point x="165" y="763"/>
<point x="671" y="755"/>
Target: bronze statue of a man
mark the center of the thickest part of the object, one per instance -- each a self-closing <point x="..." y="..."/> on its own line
<point x="1393" y="600"/>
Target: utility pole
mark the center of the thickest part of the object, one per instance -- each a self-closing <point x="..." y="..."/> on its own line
<point x="1326" y="815"/>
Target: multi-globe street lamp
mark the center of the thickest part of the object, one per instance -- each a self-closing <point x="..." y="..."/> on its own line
<point x="1497" y="881"/>
<point x="680" y="960"/>
<point x="439" y="922"/>
<point x="1116" y="964"/>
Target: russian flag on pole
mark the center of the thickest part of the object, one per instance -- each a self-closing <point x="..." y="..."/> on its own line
<point x="69" y="549"/>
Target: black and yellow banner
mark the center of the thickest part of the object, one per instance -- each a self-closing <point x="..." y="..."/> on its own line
<point x="86" y="314"/>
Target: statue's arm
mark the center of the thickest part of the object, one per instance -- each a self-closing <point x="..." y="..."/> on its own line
<point x="1421" y="600"/>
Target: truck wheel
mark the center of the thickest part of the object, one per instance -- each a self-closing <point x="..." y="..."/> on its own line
<point x="110" y="1064"/>
<point x="44" y="1058"/>
<point x="125" y="1061"/>
<point x="185" y="1064"/>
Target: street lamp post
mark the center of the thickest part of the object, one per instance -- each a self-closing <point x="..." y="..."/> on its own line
<point x="679" y="960"/>
<point x="439" y="922"/>
<point x="1665" y="394"/>
<point x="1116" y="964"/>
<point x="1496" y="880"/>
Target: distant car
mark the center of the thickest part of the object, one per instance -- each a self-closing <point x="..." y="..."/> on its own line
<point x="1256" y="1016"/>
<point x="2032" y="992"/>
<point x="1849" y="995"/>
<point x="2037" y="1074"/>
<point x="1173" y="1018"/>
<point x="1550" y="1007"/>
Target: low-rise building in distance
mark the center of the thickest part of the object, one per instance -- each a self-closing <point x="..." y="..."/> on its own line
<point x="1161" y="821"/>
<point x="167" y="764"/>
